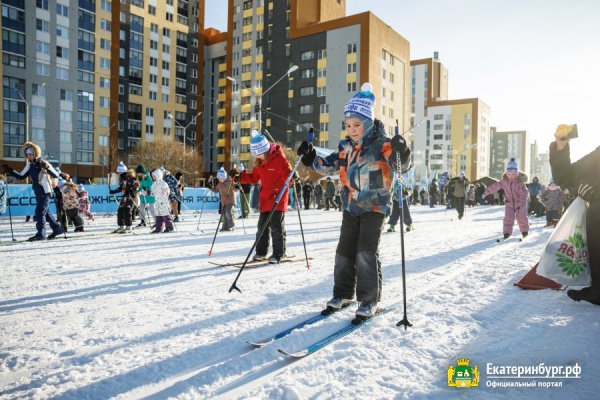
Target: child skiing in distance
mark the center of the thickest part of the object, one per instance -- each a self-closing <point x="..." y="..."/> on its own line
<point x="70" y="203"/>
<point x="513" y="182"/>
<point x="162" y="204"/>
<point x="367" y="161"/>
<point x="271" y="169"/>
<point x="84" y="202"/>
<point x="226" y="189"/>
<point x="128" y="186"/>
<point x="552" y="198"/>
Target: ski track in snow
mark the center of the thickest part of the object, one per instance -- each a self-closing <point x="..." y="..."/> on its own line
<point x="146" y="316"/>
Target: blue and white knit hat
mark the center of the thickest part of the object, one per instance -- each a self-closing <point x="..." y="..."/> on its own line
<point x="221" y="174"/>
<point x="512" y="166"/>
<point x="80" y="187"/>
<point x="362" y="103"/>
<point x="258" y="144"/>
<point x="121" y="168"/>
<point x="61" y="182"/>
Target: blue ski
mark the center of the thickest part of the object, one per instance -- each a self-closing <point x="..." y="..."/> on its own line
<point x="335" y="336"/>
<point x="310" y="321"/>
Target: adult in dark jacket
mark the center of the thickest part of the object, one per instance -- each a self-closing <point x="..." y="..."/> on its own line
<point x="329" y="195"/>
<point x="306" y="192"/>
<point x="39" y="171"/>
<point x="461" y="187"/>
<point x="433" y="191"/>
<point x="583" y="174"/>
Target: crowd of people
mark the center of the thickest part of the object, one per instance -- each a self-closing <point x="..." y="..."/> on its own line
<point x="368" y="192"/>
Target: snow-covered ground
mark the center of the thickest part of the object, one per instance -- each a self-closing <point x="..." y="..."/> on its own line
<point x="147" y="316"/>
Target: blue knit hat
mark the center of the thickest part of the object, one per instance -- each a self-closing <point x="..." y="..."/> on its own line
<point x="512" y="166"/>
<point x="221" y="174"/>
<point x="121" y="168"/>
<point x="258" y="144"/>
<point x="362" y="103"/>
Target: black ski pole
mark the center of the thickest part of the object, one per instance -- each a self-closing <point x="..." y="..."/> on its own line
<point x="200" y="216"/>
<point x="221" y="217"/>
<point x="301" y="229"/>
<point x="264" y="226"/>
<point x="404" y="320"/>
<point x="9" y="212"/>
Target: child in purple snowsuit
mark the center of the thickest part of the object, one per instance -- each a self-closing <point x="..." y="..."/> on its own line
<point x="516" y="196"/>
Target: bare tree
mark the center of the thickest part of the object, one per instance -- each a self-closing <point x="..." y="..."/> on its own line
<point x="166" y="152"/>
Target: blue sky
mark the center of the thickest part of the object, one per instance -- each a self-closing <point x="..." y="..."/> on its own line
<point x="533" y="62"/>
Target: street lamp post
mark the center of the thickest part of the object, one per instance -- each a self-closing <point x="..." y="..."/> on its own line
<point x="27" y="104"/>
<point x="184" y="127"/>
<point x="260" y="96"/>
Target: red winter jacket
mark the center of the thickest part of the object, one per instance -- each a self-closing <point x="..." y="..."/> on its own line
<point x="272" y="176"/>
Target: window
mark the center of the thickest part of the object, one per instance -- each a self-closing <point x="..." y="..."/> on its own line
<point x="307" y="55"/>
<point x="43" y="4"/>
<point x="105" y="25"/>
<point x="351" y="68"/>
<point x="62" y="52"/>
<point x="105" y="44"/>
<point x="153" y="62"/>
<point x="42" y="47"/>
<point x="151" y="10"/>
<point x="105" y="83"/>
<point x="66" y="137"/>
<point x="42" y="25"/>
<point x="307" y="73"/>
<point x="62" y="73"/>
<point x="153" y="28"/>
<point x="104" y="63"/>
<point x="38" y="112"/>
<point x="62" y="31"/>
<point x="166" y="32"/>
<point x="104" y="102"/>
<point x="322" y="54"/>
<point x="62" y="10"/>
<point x="104" y="121"/>
<point x="351" y="87"/>
<point x="42" y="69"/>
<point x="152" y="95"/>
<point x="103" y="141"/>
<point x="352" y="48"/>
<point x="306" y="109"/>
<point x="66" y="116"/>
<point x="169" y="16"/>
<point x="105" y="5"/>
<point x="391" y="77"/>
<point x="322" y="91"/>
<point x="165" y="65"/>
<point x="66" y="95"/>
<point x="307" y="91"/>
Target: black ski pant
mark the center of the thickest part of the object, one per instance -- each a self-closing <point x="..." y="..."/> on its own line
<point x="329" y="202"/>
<point x="306" y="202"/>
<point x="124" y="216"/>
<point x="357" y="266"/>
<point x="73" y="216"/>
<point x="275" y="230"/>
<point x="396" y="213"/>
<point x="459" y="203"/>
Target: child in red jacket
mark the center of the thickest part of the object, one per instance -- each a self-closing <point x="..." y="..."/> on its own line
<point x="271" y="169"/>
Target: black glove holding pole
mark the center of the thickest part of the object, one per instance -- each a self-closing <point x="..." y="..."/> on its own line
<point x="307" y="152"/>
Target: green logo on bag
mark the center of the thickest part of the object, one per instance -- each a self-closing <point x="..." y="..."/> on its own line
<point x="572" y="255"/>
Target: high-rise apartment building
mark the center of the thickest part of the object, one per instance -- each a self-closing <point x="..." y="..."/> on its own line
<point x="448" y="135"/>
<point x="506" y="145"/>
<point x="88" y="80"/>
<point x="291" y="65"/>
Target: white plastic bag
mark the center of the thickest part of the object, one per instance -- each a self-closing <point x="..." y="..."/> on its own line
<point x="565" y="258"/>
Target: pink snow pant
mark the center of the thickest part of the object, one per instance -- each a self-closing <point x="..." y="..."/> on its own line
<point x="509" y="219"/>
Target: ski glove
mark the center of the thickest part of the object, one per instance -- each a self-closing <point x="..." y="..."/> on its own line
<point x="307" y="152"/>
<point x="6" y="169"/>
<point x="44" y="164"/>
<point x="399" y="144"/>
<point x="586" y="191"/>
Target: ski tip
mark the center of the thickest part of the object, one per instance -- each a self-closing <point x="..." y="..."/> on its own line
<point x="298" y="354"/>
<point x="256" y="344"/>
